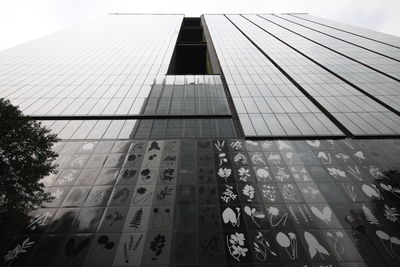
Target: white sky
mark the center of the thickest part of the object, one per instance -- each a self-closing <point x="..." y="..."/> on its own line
<point x="24" y="20"/>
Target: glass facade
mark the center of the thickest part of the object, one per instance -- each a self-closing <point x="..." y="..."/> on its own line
<point x="351" y="39"/>
<point x="105" y="67"/>
<point x="258" y="164"/>
<point x="372" y="59"/>
<point x="359" y="113"/>
<point x="267" y="102"/>
<point x="366" y="34"/>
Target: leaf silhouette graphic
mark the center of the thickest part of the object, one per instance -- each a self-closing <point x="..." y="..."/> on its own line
<point x="382" y="235"/>
<point x="247" y="210"/>
<point x="395" y="240"/>
<point x="166" y="192"/>
<point x="370" y="191"/>
<point x="314" y="246"/>
<point x="312" y="251"/>
<point x="135" y="247"/>
<point x="229" y="216"/>
<point x="322" y="155"/>
<point x="325" y="215"/>
<point x="82" y="245"/>
<point x="283" y="145"/>
<point x="387" y="188"/>
<point x="137" y="218"/>
<point x="315" y="143"/>
<point x="262" y="174"/>
<point x="154" y="146"/>
<point x="71" y="250"/>
<point x="370" y="216"/>
<point x="359" y="155"/>
<point x="260" y="215"/>
<point x="282" y="240"/>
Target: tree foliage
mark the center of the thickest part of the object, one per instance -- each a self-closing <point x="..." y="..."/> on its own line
<point x="25" y="158"/>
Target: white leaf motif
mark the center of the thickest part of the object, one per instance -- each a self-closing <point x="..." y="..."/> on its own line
<point x="315" y="143"/>
<point x="282" y="240"/>
<point x="325" y="215"/>
<point x="228" y="215"/>
<point x="247" y="210"/>
<point x="370" y="191"/>
<point x="314" y="246"/>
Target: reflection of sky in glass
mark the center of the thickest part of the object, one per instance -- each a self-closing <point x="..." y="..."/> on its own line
<point x="103" y="67"/>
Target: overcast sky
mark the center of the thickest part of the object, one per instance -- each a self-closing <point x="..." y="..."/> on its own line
<point x="24" y="20"/>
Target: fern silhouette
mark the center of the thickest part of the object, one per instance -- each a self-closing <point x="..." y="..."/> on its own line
<point x="137" y="218"/>
<point x="370" y="217"/>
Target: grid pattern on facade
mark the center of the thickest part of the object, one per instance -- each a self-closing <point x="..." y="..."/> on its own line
<point x="91" y="129"/>
<point x="103" y="67"/>
<point x="370" y="81"/>
<point x="268" y="104"/>
<point x="351" y="39"/>
<point x="360" y="114"/>
<point x="375" y="36"/>
<point x="185" y="128"/>
<point x="142" y="128"/>
<point x="187" y="95"/>
<point x="381" y="63"/>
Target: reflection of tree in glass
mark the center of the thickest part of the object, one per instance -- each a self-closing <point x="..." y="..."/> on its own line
<point x="121" y="195"/>
<point x="114" y="217"/>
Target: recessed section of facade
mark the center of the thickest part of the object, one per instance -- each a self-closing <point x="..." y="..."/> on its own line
<point x="190" y="54"/>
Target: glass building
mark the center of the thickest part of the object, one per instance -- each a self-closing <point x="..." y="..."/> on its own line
<point x="224" y="140"/>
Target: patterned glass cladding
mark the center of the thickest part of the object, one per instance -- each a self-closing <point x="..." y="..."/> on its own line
<point x="105" y="67"/>
<point x="360" y="114"/>
<point x="268" y="104"/>
<point x="375" y="36"/>
<point x="217" y="202"/>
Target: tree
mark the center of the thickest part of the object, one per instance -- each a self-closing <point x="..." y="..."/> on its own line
<point x="25" y="158"/>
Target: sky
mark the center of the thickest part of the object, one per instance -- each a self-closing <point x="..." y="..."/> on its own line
<point x="25" y="20"/>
